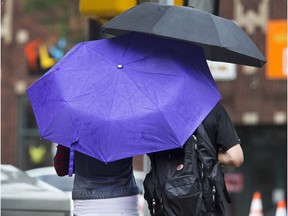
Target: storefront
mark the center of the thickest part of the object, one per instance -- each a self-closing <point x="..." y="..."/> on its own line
<point x="264" y="169"/>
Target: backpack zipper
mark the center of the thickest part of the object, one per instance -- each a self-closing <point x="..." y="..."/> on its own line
<point x="153" y="206"/>
<point x="213" y="192"/>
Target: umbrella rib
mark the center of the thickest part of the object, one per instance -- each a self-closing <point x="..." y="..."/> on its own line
<point x="170" y="74"/>
<point x="126" y="47"/>
<point x="56" y="116"/>
<point x="110" y="112"/>
<point x="156" y="23"/>
<point x="155" y="106"/>
<point x="50" y="122"/>
<point x="217" y="32"/>
<point x="103" y="58"/>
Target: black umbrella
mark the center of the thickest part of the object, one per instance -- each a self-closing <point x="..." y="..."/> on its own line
<point x="221" y="39"/>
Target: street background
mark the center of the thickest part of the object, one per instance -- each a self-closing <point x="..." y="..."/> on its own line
<point x="35" y="34"/>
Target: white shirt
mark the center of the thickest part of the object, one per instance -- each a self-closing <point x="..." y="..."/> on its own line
<point x="120" y="206"/>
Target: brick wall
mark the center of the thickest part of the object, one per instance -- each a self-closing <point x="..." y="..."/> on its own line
<point x="252" y="93"/>
<point x="14" y="72"/>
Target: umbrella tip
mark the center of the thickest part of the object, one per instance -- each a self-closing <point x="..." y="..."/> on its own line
<point x="119" y="66"/>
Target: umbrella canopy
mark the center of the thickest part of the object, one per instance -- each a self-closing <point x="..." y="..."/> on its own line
<point x="221" y="39"/>
<point x="124" y="96"/>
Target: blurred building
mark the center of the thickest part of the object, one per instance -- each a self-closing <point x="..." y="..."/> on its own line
<point x="256" y="98"/>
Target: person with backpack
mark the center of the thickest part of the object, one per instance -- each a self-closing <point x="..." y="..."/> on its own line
<point x="189" y="181"/>
<point x="223" y="136"/>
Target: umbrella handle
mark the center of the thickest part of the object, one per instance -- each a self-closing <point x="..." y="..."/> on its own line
<point x="71" y="159"/>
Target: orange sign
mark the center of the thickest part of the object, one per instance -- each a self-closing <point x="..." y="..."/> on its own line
<point x="276" y="50"/>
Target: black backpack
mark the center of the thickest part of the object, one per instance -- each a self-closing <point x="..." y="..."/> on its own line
<point x="186" y="181"/>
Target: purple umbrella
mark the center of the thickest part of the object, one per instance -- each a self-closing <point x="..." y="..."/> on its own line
<point x="125" y="96"/>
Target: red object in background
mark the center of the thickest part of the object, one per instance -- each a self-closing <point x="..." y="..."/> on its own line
<point x="32" y="54"/>
<point x="234" y="182"/>
<point x="61" y="160"/>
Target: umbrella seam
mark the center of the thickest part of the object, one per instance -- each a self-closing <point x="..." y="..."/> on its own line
<point x="162" y="74"/>
<point x="156" y="23"/>
<point x="109" y="123"/>
<point x="156" y="107"/>
<point x="55" y="117"/>
<point x="95" y="51"/>
<point x="221" y="46"/>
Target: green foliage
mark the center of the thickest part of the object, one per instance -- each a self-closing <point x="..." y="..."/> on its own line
<point x="57" y="15"/>
<point x="44" y="5"/>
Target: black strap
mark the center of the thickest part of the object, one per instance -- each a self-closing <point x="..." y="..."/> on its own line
<point x="212" y="151"/>
<point x="210" y="147"/>
<point x="155" y="179"/>
<point x="227" y="196"/>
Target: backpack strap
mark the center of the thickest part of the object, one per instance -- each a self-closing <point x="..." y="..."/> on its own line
<point x="211" y="150"/>
<point x="155" y="179"/>
<point x="152" y="186"/>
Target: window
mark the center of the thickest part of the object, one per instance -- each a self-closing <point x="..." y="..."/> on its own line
<point x="32" y="151"/>
<point x="265" y="167"/>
